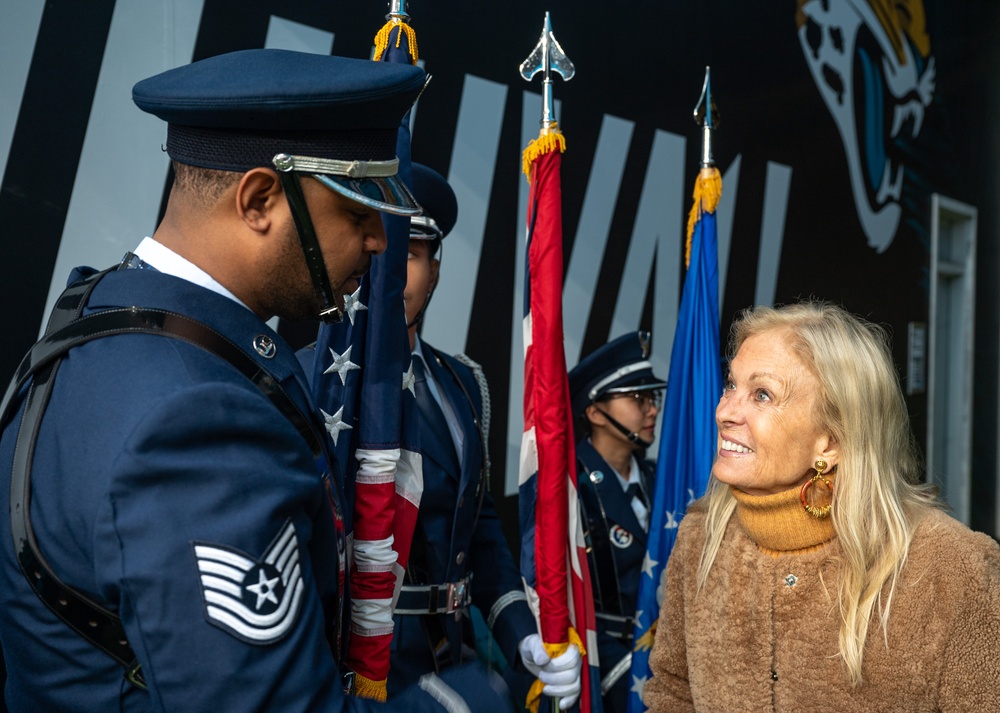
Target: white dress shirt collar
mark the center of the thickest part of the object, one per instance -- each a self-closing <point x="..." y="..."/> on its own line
<point x="165" y="260"/>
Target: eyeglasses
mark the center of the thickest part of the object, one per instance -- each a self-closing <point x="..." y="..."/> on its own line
<point x="646" y="400"/>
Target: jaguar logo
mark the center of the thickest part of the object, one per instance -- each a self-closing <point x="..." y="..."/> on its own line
<point x="872" y="64"/>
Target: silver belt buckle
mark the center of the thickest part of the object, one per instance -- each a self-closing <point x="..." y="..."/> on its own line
<point x="456" y="597"/>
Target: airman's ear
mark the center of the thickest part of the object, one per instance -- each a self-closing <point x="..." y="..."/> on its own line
<point x="594" y="415"/>
<point x="258" y="195"/>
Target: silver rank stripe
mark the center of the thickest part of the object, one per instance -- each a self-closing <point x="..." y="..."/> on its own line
<point x="226" y="575"/>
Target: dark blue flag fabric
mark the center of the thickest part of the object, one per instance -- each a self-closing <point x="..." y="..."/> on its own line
<point x="688" y="432"/>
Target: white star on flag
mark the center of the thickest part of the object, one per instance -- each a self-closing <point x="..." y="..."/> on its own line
<point x="353" y="304"/>
<point x="409" y="380"/>
<point x="264" y="589"/>
<point x="342" y="364"/>
<point x="335" y="424"/>
<point x="648" y="563"/>
<point x="638" y="684"/>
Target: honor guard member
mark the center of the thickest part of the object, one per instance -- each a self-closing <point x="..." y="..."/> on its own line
<point x="615" y="398"/>
<point x="170" y="544"/>
<point x="459" y="554"/>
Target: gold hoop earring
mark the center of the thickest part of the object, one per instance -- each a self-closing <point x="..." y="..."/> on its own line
<point x="807" y="498"/>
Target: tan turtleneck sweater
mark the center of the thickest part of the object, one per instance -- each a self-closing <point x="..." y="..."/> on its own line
<point x="762" y="635"/>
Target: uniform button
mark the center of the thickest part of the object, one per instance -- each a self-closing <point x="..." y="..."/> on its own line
<point x="265" y="346"/>
<point x="460" y="558"/>
<point x="790" y="580"/>
<point x="774" y="675"/>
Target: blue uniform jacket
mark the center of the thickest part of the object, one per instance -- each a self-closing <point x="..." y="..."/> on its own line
<point x="159" y="472"/>
<point x="449" y="541"/>
<point x="608" y="509"/>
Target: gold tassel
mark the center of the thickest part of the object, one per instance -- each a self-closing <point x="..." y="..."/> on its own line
<point x="367" y="688"/>
<point x="382" y="39"/>
<point x="707" y="192"/>
<point x="549" y="140"/>
<point x="553" y="650"/>
<point x="645" y="642"/>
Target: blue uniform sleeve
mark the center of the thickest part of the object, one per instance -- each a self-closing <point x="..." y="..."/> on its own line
<point x="497" y="588"/>
<point x="216" y="543"/>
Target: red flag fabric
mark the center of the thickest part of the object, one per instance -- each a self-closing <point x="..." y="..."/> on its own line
<point x="548" y="460"/>
<point x="547" y="395"/>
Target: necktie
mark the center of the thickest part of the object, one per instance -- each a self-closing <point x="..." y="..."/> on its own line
<point x="432" y="418"/>
<point x="634" y="491"/>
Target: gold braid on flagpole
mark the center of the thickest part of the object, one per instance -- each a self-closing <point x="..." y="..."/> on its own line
<point x="550" y="139"/>
<point x="382" y="39"/>
<point x="367" y="688"/>
<point x="707" y="192"/>
<point x="554" y="650"/>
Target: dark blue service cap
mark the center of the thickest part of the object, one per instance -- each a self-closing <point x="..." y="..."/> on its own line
<point x="620" y="366"/>
<point x="334" y="118"/>
<point x="436" y="197"/>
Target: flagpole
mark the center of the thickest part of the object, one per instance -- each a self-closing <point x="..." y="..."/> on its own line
<point x="687" y="433"/>
<point x="706" y="116"/>
<point x="708" y="185"/>
<point x="547" y="482"/>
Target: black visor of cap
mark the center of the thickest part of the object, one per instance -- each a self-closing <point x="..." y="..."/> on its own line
<point x="388" y="193"/>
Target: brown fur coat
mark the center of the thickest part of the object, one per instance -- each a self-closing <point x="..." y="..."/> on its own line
<point x="762" y="635"/>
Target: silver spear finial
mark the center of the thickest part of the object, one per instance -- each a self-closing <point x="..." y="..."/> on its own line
<point x="547" y="57"/>
<point x="706" y="115"/>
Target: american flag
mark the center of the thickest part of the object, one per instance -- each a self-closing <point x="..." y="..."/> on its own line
<point x="362" y="381"/>
<point x="553" y="559"/>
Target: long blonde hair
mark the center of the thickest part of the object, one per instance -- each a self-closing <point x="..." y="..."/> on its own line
<point x="877" y="499"/>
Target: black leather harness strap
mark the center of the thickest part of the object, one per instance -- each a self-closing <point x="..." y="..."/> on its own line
<point x="66" y="329"/>
<point x="136" y="320"/>
<point x="608" y="597"/>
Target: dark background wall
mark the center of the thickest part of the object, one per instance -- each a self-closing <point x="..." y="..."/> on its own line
<point x="642" y="63"/>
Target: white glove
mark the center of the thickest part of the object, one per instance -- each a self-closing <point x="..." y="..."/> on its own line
<point x="560" y="675"/>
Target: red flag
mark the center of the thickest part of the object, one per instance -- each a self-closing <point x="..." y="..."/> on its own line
<point x="548" y="459"/>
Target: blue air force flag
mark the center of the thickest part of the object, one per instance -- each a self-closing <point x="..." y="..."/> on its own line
<point x="688" y="432"/>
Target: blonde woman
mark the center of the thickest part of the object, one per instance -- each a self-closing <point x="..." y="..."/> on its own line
<point x="816" y="574"/>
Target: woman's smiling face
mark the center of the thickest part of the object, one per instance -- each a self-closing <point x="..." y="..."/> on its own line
<point x="769" y="433"/>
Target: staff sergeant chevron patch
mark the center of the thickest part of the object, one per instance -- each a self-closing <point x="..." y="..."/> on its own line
<point x="255" y="600"/>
